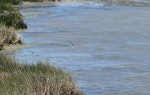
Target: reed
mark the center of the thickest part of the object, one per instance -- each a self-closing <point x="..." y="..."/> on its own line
<point x="34" y="79"/>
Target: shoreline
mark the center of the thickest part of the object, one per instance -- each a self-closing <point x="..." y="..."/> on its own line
<point x="26" y="4"/>
<point x="35" y="4"/>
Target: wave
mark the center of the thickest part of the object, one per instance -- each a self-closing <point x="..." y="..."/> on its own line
<point x="76" y="3"/>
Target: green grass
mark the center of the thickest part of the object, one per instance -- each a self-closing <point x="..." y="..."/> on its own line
<point x="11" y="1"/>
<point x="38" y="0"/>
<point x="11" y="17"/>
<point x="34" y="79"/>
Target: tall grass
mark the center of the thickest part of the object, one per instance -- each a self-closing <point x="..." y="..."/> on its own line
<point x="37" y="79"/>
<point x="8" y="36"/>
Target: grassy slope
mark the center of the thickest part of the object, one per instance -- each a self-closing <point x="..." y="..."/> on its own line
<point x="25" y="79"/>
<point x="39" y="79"/>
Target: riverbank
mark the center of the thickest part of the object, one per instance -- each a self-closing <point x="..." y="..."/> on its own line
<point x="11" y="17"/>
<point x="8" y="37"/>
<point x="18" y="78"/>
<point x="38" y="79"/>
<point x="27" y="4"/>
<point x="35" y="4"/>
<point x="10" y="21"/>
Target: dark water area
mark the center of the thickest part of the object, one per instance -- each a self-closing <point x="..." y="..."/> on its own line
<point x="106" y="48"/>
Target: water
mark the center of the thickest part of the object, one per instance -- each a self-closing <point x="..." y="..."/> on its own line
<point x="106" y="48"/>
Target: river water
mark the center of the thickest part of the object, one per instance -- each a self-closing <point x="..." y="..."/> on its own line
<point x="106" y="48"/>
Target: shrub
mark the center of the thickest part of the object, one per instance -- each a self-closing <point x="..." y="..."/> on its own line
<point x="38" y="0"/>
<point x="11" y="1"/>
<point x="37" y="79"/>
<point x="11" y="17"/>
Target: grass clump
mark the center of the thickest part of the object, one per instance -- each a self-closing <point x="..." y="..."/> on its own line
<point x="8" y="37"/>
<point x="11" y="17"/>
<point x="37" y="79"/>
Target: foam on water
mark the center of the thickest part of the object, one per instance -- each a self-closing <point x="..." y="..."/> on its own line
<point x="76" y="3"/>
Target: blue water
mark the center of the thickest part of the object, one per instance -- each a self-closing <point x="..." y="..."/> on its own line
<point x="106" y="48"/>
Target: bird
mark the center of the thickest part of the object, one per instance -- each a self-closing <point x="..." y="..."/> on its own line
<point x="72" y="45"/>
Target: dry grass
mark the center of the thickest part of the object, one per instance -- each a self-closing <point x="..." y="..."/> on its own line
<point x="38" y="79"/>
<point x="8" y="36"/>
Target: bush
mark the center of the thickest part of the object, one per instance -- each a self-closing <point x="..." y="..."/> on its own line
<point x="38" y="79"/>
<point x="15" y="2"/>
<point x="13" y="20"/>
<point x="38" y="0"/>
<point x="11" y="17"/>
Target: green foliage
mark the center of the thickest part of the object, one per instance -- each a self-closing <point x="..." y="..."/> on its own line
<point x="6" y="7"/>
<point x="12" y="20"/>
<point x="15" y="2"/>
<point x="37" y="79"/>
<point x="33" y="0"/>
<point x="11" y="17"/>
<point x="38" y="0"/>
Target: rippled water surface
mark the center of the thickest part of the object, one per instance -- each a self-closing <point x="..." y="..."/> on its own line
<point x="106" y="48"/>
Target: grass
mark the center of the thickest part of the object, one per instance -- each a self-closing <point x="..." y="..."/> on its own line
<point x="27" y="79"/>
<point x="39" y="0"/>
<point x="11" y="17"/>
<point x="15" y="2"/>
<point x="8" y="36"/>
<point x="34" y="79"/>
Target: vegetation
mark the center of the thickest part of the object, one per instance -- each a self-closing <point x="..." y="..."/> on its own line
<point x="11" y="1"/>
<point x="11" y="17"/>
<point x="34" y="79"/>
<point x="27" y="79"/>
<point x="38" y="0"/>
<point x="8" y="37"/>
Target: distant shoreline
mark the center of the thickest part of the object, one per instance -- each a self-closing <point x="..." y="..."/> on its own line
<point x="35" y="4"/>
<point x="50" y="4"/>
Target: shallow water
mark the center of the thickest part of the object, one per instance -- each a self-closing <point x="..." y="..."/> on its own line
<point x="106" y="48"/>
